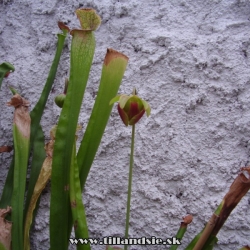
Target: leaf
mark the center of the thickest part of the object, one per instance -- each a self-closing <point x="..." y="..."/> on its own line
<point x="82" y="52"/>
<point x="5" y="149"/>
<point x="4" y="69"/>
<point x="21" y="134"/>
<point x="42" y="180"/>
<point x="77" y="207"/>
<point x="88" y="18"/>
<point x="113" y="70"/>
<point x="37" y="136"/>
<point x="113" y="248"/>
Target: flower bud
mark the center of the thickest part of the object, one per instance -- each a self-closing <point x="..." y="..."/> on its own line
<point x="59" y="100"/>
<point x="131" y="108"/>
<point x="7" y="74"/>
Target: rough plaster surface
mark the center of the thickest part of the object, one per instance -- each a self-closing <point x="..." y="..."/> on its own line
<point x="190" y="60"/>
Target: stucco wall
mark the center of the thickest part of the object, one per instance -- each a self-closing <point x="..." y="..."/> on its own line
<point x="190" y="60"/>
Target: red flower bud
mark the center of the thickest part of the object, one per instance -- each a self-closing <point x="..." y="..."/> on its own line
<point x="7" y="74"/>
<point x="131" y="108"/>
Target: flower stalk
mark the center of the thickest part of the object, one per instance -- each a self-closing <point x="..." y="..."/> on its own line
<point x="131" y="109"/>
<point x="130" y="183"/>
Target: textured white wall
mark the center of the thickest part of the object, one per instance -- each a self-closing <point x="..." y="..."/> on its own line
<point x="190" y="60"/>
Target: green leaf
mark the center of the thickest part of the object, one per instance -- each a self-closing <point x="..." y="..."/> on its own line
<point x="212" y="240"/>
<point x="41" y="182"/>
<point x="88" y="18"/>
<point x="82" y="52"/>
<point x="37" y="112"/>
<point x="37" y="136"/>
<point x="77" y="207"/>
<point x="38" y="157"/>
<point x="112" y="73"/>
<point x="113" y="248"/>
<point x="4" y="69"/>
<point x="21" y="134"/>
<point x="2" y="247"/>
<point x="8" y="187"/>
<point x="193" y="242"/>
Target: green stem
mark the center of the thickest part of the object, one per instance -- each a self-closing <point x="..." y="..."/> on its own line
<point x="130" y="183"/>
<point x="179" y="235"/>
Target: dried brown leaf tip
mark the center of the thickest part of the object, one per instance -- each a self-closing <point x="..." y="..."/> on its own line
<point x="17" y="101"/>
<point x="188" y="219"/>
<point x="49" y="147"/>
<point x="113" y="54"/>
<point x="21" y="115"/>
<point x="5" y="228"/>
<point x="62" y="26"/>
<point x="246" y="169"/>
<point x="237" y="190"/>
<point x="5" y="149"/>
<point x="7" y="74"/>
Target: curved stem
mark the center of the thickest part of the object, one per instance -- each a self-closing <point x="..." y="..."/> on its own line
<point x="130" y="183"/>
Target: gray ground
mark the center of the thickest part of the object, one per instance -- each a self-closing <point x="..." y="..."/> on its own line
<point x="190" y="60"/>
